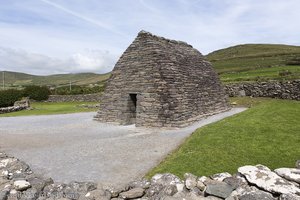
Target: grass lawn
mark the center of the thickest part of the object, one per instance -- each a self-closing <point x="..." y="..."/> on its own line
<point x="268" y="133"/>
<point x="43" y="108"/>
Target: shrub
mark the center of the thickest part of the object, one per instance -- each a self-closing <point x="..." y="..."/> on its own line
<point x="9" y="97"/>
<point x="285" y="73"/>
<point x="38" y="93"/>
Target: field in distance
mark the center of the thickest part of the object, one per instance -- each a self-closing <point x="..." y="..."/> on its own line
<point x="257" y="62"/>
<point x="16" y="79"/>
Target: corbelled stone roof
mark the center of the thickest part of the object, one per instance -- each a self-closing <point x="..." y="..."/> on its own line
<point x="142" y="32"/>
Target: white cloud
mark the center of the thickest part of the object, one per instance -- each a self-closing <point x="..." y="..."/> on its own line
<point x="91" y="60"/>
<point x="88" y="61"/>
<point x="54" y="42"/>
<point x="59" y="31"/>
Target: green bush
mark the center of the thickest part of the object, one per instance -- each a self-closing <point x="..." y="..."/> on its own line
<point x="38" y="93"/>
<point x="9" y="97"/>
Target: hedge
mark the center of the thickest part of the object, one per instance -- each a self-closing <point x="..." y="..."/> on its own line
<point x="38" y="93"/>
<point x="9" y="97"/>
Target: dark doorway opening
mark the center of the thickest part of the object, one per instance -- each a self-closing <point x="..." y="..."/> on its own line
<point x="133" y="99"/>
<point x="132" y="107"/>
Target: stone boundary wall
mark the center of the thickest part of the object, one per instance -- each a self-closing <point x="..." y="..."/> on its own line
<point x="12" y="109"/>
<point x="18" y="105"/>
<point x="18" y="181"/>
<point x="71" y="98"/>
<point x="274" y="89"/>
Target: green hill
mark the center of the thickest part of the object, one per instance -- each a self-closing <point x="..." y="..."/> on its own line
<point x="249" y="62"/>
<point x="252" y="62"/>
<point x="16" y="79"/>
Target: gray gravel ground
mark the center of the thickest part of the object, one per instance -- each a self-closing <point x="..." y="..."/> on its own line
<point x="74" y="147"/>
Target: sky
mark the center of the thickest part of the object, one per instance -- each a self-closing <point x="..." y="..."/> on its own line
<point x="71" y="36"/>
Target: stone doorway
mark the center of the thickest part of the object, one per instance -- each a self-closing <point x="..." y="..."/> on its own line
<point x="132" y="108"/>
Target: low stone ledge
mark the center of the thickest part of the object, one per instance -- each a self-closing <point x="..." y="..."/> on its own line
<point x="17" y="181"/>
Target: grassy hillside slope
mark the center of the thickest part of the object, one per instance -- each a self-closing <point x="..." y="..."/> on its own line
<point x="251" y="62"/>
<point x="21" y="79"/>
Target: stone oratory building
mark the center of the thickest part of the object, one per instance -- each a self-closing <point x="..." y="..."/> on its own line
<point x="159" y="82"/>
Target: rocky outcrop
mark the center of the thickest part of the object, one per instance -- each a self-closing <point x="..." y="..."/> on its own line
<point x="17" y="181"/>
<point x="281" y="90"/>
<point x="25" y="102"/>
<point x="75" y="98"/>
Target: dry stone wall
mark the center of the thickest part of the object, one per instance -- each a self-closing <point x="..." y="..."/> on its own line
<point x="273" y="89"/>
<point x="12" y="109"/>
<point x="18" y="105"/>
<point x="18" y="181"/>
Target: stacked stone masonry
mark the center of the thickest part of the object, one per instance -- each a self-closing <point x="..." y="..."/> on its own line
<point x="281" y="90"/>
<point x="19" y="182"/>
<point x="160" y="82"/>
<point x="18" y="106"/>
<point x="11" y="109"/>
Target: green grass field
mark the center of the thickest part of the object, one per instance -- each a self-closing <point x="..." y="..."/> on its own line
<point x="267" y="133"/>
<point x="254" y="50"/>
<point x="43" y="108"/>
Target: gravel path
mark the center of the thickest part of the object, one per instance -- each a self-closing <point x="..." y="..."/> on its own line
<point x="74" y="147"/>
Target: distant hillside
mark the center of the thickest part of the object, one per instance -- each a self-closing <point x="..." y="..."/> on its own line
<point x="252" y="62"/>
<point x="249" y="62"/>
<point x="14" y="79"/>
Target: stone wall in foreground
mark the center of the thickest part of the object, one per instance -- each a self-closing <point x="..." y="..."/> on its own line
<point x="273" y="89"/>
<point x="17" y="181"/>
<point x="72" y="98"/>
